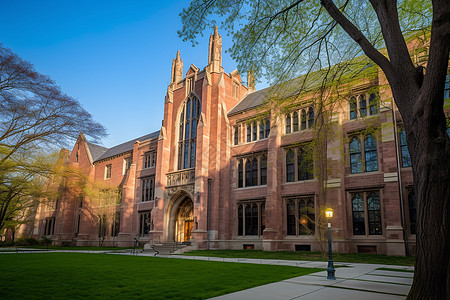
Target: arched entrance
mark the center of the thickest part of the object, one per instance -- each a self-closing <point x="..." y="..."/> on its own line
<point x="184" y="221"/>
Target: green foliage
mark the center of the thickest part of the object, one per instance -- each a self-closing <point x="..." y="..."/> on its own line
<point x="26" y="242"/>
<point x="45" y="241"/>
<point x="60" y="276"/>
<point x="284" y="39"/>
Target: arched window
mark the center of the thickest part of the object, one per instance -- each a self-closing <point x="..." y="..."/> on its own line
<point x="310" y="117"/>
<point x="288" y="123"/>
<point x="374" y="213"/>
<point x="290" y="167"/>
<point x="358" y="214"/>
<point x="263" y="169"/>
<point x="370" y="152"/>
<point x="291" y="222"/>
<point x="406" y="158"/>
<point x="295" y="121"/>
<point x="248" y="172"/>
<point x="412" y="211"/>
<point x="241" y="173"/>
<point x="362" y="106"/>
<point x="353" y="109"/>
<point x="188" y="133"/>
<point x="303" y="119"/>
<point x="373" y="104"/>
<point x="355" y="156"/>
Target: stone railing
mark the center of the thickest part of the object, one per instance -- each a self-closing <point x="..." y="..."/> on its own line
<point x="181" y="177"/>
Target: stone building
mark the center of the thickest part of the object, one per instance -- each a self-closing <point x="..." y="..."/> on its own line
<point x="230" y="170"/>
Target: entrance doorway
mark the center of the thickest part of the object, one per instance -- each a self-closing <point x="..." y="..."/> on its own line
<point x="184" y="221"/>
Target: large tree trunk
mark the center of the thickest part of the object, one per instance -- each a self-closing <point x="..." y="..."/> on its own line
<point x="420" y="101"/>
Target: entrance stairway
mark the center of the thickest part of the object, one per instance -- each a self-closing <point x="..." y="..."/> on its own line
<point x="169" y="248"/>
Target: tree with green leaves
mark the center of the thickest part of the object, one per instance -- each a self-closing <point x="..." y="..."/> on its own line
<point x="36" y="117"/>
<point x="283" y="39"/>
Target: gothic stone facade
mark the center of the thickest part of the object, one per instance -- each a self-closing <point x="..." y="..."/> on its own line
<point x="228" y="171"/>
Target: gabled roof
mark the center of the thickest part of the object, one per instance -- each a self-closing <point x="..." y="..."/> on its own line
<point x="96" y="150"/>
<point x="126" y="147"/>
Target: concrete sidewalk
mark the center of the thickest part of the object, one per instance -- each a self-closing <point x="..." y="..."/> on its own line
<point x="353" y="281"/>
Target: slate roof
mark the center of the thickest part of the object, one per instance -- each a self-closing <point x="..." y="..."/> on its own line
<point x="127" y="146"/>
<point x="291" y="88"/>
<point x="250" y="101"/>
<point x="96" y="150"/>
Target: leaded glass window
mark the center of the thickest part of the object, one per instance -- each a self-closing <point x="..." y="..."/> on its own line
<point x="290" y="166"/>
<point x="188" y="133"/>
<point x="370" y="152"/>
<point x="355" y="156"/>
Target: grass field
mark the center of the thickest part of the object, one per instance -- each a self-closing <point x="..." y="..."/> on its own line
<point x="302" y="255"/>
<point x="100" y="276"/>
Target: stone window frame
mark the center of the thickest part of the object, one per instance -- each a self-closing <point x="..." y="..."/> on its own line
<point x="127" y="161"/>
<point x="242" y="164"/>
<point x="363" y="105"/>
<point x="362" y="152"/>
<point x="149" y="160"/>
<point x="115" y="224"/>
<point x="299" y="119"/>
<point x="188" y="122"/>
<point x="310" y="217"/>
<point x="297" y="171"/>
<point x="244" y="217"/>
<point x="143" y="216"/>
<point x="108" y="171"/>
<point x="249" y="132"/>
<point x="49" y="226"/>
<point x="367" y="214"/>
<point x="147" y="191"/>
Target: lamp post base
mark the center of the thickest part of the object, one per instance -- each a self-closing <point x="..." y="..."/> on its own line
<point x="331" y="271"/>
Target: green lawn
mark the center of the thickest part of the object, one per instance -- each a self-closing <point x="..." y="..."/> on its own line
<point x="99" y="276"/>
<point x="302" y="255"/>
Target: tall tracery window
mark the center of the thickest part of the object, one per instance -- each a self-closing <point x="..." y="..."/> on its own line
<point x="188" y="133"/>
<point x="369" y="160"/>
<point x="363" y="107"/>
<point x="299" y="120"/>
<point x="252" y="170"/>
<point x="366" y="213"/>
<point x="300" y="215"/>
<point x="299" y="164"/>
<point x="251" y="218"/>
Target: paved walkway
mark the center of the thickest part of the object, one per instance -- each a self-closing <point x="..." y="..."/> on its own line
<point x="353" y="280"/>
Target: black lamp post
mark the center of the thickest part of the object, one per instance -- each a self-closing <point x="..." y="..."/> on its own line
<point x="330" y="268"/>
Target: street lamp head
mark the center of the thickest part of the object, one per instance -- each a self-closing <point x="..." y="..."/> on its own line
<point x="329" y="213"/>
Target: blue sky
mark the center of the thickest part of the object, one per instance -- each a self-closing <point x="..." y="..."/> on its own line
<point x="114" y="57"/>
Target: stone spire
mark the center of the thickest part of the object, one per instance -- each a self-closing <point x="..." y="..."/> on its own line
<point x="215" y="52"/>
<point x="177" y="69"/>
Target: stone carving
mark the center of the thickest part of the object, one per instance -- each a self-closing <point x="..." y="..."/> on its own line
<point x="182" y="177"/>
